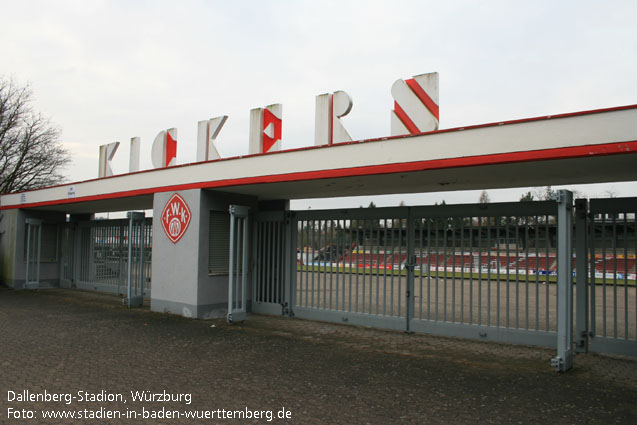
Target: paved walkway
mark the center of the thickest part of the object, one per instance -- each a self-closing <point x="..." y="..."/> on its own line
<point x="61" y="343"/>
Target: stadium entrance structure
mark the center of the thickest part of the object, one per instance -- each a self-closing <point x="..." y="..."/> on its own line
<point x="451" y="269"/>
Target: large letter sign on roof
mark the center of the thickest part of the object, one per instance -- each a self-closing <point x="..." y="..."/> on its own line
<point x="330" y="108"/>
<point x="133" y="160"/>
<point x="107" y="152"/>
<point x="415" y="111"/>
<point x="415" y="105"/>
<point x="207" y="132"/>
<point x="175" y="218"/>
<point x="164" y="150"/>
<point x="265" y="129"/>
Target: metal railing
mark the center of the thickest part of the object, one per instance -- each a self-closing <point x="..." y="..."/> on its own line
<point x="611" y="275"/>
<point x="469" y="277"/>
<point x="95" y="255"/>
<point x="490" y="271"/>
<point x="459" y="270"/>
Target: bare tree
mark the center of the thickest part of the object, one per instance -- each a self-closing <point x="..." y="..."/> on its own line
<point x="484" y="197"/>
<point x="31" y="155"/>
<point x="527" y="197"/>
<point x="545" y="194"/>
<point x="610" y="193"/>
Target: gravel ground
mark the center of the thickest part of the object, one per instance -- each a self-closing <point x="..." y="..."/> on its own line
<point x="89" y="346"/>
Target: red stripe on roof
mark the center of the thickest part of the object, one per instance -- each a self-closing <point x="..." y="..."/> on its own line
<point x="629" y="147"/>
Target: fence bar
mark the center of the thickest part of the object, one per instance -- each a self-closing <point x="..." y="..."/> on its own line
<point x="410" y="263"/>
<point x="604" y="274"/>
<point x="385" y="264"/>
<point x="625" y="237"/>
<point x="497" y="265"/>
<point x="581" y="275"/>
<point x="244" y="263"/>
<point x="358" y="253"/>
<point x="548" y="268"/>
<point x="489" y="270"/>
<point x="312" y="243"/>
<point x="508" y="266"/>
<point x="378" y="251"/>
<point x="322" y="271"/>
<point x="333" y="257"/>
<point x="437" y="275"/>
<point x="537" y="274"/>
<point x="393" y="249"/>
<point x="273" y="238"/>
<point x="350" y="251"/>
<point x="444" y="273"/>
<point x="517" y="273"/>
<point x="462" y="277"/>
<point x="592" y="303"/>
<point x="372" y="244"/>
<point x="615" y="276"/>
<point x="471" y="265"/>
<point x="453" y="274"/>
<point x="300" y="268"/>
<point x="479" y="270"/>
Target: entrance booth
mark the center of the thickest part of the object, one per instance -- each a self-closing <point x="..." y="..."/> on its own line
<point x="222" y="241"/>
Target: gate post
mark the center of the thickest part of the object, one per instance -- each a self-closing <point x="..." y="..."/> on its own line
<point x="564" y="359"/>
<point x="238" y="273"/>
<point x="581" y="255"/>
<point x="35" y="225"/>
<point x="134" y="298"/>
<point x="289" y="264"/>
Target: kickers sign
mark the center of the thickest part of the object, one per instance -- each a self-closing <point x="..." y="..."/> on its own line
<point x="175" y="218"/>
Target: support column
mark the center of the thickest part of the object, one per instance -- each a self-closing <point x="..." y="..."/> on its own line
<point x="175" y="264"/>
<point x="564" y="359"/>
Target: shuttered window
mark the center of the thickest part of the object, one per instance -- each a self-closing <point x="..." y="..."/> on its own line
<point x="219" y="243"/>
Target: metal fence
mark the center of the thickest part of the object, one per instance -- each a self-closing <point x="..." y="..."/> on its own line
<point x="612" y="324"/>
<point x="95" y="255"/>
<point x="489" y="271"/>
<point x="472" y="270"/>
<point x="490" y="267"/>
<point x="350" y="262"/>
<point x="269" y="271"/>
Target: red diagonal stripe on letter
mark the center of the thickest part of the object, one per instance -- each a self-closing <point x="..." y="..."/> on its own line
<point x="402" y="116"/>
<point x="171" y="149"/>
<point x="424" y="97"/>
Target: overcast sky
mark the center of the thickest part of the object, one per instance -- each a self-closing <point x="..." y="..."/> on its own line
<point x="107" y="71"/>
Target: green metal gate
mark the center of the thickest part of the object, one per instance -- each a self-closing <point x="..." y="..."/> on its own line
<point x="607" y="301"/>
<point x="95" y="255"/>
<point x="500" y="272"/>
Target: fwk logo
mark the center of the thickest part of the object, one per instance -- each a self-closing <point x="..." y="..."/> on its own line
<point x="175" y="218"/>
